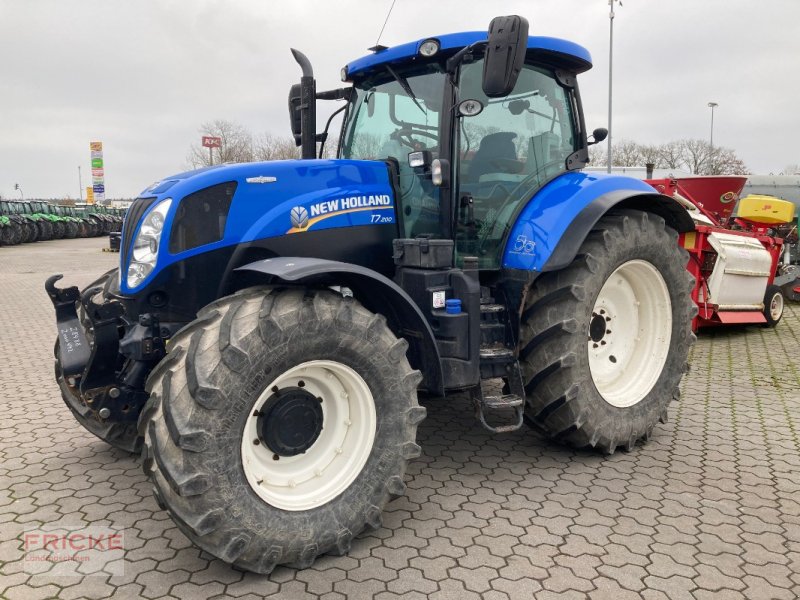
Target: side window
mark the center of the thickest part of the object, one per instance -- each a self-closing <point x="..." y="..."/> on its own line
<point x="506" y="153"/>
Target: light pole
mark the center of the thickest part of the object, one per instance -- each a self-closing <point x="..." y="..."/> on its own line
<point x="80" y="184"/>
<point x="610" y="70"/>
<point x="16" y="187"/>
<point x="712" y="106"/>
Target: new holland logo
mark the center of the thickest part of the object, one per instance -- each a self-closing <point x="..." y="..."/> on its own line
<point x="299" y="217"/>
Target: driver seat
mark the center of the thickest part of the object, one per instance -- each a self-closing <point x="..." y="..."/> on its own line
<point x="493" y="146"/>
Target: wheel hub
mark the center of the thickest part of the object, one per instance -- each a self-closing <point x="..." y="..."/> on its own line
<point x="290" y="421"/>
<point x="597" y="326"/>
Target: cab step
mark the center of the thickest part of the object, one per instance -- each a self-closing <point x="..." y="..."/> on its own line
<point x="486" y="405"/>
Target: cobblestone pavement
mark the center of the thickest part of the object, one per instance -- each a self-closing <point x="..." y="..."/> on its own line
<point x="710" y="508"/>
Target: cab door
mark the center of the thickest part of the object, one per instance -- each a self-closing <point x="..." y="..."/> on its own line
<point x="505" y="153"/>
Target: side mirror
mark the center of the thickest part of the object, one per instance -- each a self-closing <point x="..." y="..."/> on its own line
<point x="505" y="54"/>
<point x="598" y="135"/>
<point x="420" y="159"/>
<point x="295" y="98"/>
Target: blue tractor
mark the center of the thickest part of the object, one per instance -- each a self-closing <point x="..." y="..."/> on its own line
<point x="271" y="325"/>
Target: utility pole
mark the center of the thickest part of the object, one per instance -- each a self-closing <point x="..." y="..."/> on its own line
<point x="610" y="72"/>
<point x="712" y="106"/>
<point x="210" y="156"/>
<point x="80" y="184"/>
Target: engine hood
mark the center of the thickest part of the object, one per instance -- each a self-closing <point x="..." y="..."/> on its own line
<point x="271" y="199"/>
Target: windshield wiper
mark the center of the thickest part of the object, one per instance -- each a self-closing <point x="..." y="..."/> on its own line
<point x="406" y="88"/>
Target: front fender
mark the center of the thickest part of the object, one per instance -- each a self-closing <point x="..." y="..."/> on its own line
<point x="554" y="223"/>
<point x="377" y="293"/>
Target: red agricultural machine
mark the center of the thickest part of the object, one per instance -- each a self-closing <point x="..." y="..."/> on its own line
<point x="735" y="259"/>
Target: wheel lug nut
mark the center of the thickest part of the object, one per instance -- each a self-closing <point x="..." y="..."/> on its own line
<point x="256" y="441"/>
<point x="594" y="345"/>
<point x="608" y="331"/>
<point x="608" y="319"/>
<point x="602" y="342"/>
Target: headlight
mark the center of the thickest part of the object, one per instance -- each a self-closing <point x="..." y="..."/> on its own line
<point x="145" y="246"/>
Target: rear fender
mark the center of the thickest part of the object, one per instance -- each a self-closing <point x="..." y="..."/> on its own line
<point x="376" y="292"/>
<point x="551" y="228"/>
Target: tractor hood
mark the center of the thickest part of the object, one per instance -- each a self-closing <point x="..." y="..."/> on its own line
<point x="235" y="204"/>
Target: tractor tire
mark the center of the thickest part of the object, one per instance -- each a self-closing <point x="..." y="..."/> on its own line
<point x="31" y="232"/>
<point x="58" y="230"/>
<point x="16" y="234"/>
<point x="8" y="235"/>
<point x="279" y="425"/>
<point x="70" y="230"/>
<point x="604" y="342"/>
<point x="123" y="436"/>
<point x="45" y="229"/>
<point x="774" y="301"/>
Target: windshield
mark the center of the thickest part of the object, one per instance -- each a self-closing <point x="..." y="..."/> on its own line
<point x="507" y="152"/>
<point x="393" y="114"/>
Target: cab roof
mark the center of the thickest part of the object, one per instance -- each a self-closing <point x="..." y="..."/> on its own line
<point x="575" y="56"/>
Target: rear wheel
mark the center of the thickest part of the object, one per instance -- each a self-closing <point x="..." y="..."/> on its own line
<point x="58" y="230"/>
<point x="45" y="229"/>
<point x="604" y="342"/>
<point x="70" y="230"/>
<point x="279" y="425"/>
<point x="773" y="305"/>
<point x="31" y="233"/>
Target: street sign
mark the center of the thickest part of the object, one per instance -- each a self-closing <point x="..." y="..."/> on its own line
<point x="98" y="173"/>
<point x="210" y="141"/>
<point x="89" y="195"/>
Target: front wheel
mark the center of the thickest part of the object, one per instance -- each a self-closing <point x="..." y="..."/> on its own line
<point x="773" y="305"/>
<point x="605" y="341"/>
<point x="279" y="425"/>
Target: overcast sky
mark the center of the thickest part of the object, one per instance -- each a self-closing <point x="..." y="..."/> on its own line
<point x="141" y="76"/>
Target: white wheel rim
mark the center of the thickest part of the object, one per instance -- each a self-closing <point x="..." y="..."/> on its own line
<point x="627" y="354"/>
<point x="336" y="457"/>
<point x="776" y="306"/>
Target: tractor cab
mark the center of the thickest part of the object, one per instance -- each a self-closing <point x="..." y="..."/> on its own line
<point x="473" y="127"/>
<point x="466" y="160"/>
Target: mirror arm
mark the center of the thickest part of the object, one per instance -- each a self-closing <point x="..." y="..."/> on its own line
<point x="323" y="137"/>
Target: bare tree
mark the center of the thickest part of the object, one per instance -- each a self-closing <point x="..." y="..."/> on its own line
<point x="272" y="147"/>
<point x="723" y="161"/>
<point x="793" y="169"/>
<point x="237" y="144"/>
<point x="697" y="156"/>
<point x="670" y="156"/>
<point x="626" y="154"/>
<point x="597" y="156"/>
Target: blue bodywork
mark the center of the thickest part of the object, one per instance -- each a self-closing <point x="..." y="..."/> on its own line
<point x="546" y="217"/>
<point x="456" y="41"/>
<point x="328" y="193"/>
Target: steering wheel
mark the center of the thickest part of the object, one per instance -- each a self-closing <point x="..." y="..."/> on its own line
<point x="404" y="136"/>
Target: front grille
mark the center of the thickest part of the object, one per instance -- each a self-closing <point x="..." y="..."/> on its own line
<point x="137" y="208"/>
